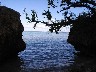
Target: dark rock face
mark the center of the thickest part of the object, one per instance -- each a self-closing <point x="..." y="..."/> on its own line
<point x="83" y="35"/>
<point x="11" y="29"/>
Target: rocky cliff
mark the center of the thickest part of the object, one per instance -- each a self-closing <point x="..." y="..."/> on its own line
<point x="83" y="35"/>
<point x="11" y="29"/>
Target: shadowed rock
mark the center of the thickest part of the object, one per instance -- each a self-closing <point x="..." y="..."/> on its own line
<point x="11" y="29"/>
<point x="83" y="35"/>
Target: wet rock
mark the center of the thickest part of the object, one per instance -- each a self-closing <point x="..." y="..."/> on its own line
<point x="11" y="28"/>
<point x="83" y="35"/>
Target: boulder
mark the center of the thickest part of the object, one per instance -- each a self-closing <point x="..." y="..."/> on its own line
<point x="83" y="35"/>
<point x="11" y="28"/>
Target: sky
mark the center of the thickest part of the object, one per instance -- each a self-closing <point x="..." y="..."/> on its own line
<point x="39" y="6"/>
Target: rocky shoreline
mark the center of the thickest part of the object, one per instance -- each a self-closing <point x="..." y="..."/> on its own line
<point x="11" y="28"/>
<point x="83" y="35"/>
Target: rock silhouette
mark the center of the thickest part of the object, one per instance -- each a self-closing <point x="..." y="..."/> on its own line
<point x="83" y="35"/>
<point x="11" y="28"/>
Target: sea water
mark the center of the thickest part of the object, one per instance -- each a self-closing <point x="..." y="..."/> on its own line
<point x="46" y="50"/>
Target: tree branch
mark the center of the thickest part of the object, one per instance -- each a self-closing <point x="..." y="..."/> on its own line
<point x="78" y="4"/>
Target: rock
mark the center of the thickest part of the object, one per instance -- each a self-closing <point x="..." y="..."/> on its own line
<point x="83" y="35"/>
<point x="11" y="28"/>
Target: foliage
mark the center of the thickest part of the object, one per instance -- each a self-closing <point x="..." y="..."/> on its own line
<point x="65" y="5"/>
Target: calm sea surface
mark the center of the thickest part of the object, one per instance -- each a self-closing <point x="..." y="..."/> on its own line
<point x="46" y="50"/>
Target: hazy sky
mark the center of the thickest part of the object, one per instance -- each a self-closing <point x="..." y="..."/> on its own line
<point x="39" y="6"/>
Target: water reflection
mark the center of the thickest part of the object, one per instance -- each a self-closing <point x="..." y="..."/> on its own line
<point x="46" y="52"/>
<point x="37" y="64"/>
<point x="49" y="58"/>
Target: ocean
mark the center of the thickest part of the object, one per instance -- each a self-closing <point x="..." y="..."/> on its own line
<point x="45" y="50"/>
